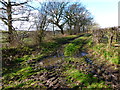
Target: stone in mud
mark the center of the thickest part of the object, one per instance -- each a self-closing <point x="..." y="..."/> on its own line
<point x="57" y="86"/>
<point x="53" y="83"/>
<point x="41" y="63"/>
<point x="51" y="75"/>
<point x="42" y="78"/>
<point x="51" y="79"/>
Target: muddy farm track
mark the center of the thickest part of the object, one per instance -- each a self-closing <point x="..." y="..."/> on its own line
<point x="50" y="70"/>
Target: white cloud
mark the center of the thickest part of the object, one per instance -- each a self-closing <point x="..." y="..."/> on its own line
<point x="17" y="0"/>
<point x="58" y="0"/>
<point x="2" y="26"/>
<point x="98" y="0"/>
<point x="107" y="21"/>
<point x="105" y="12"/>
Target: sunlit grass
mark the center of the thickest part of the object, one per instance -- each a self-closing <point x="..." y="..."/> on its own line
<point x="85" y="80"/>
<point x="110" y="54"/>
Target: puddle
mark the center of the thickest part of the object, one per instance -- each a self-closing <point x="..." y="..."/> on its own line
<point x="58" y="58"/>
<point x="51" y="60"/>
<point x="83" y="53"/>
<point x="86" y="59"/>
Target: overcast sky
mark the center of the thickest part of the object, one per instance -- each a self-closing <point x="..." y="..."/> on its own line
<point x="105" y="12"/>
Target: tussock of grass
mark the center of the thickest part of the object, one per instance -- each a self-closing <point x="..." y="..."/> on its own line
<point x="85" y="80"/>
<point x="72" y="48"/>
<point x="110" y="54"/>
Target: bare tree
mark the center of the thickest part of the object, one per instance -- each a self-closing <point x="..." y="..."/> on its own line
<point x="6" y="15"/>
<point x="77" y="16"/>
<point x="41" y="24"/>
<point x="55" y="13"/>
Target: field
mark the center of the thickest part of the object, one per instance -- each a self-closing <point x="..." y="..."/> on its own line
<point x="61" y="61"/>
<point x="59" y="45"/>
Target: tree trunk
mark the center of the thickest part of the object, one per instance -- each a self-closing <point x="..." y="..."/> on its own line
<point x="62" y="31"/>
<point x="116" y="35"/>
<point x="10" y="29"/>
<point x="83" y="29"/>
<point x="53" y="30"/>
<point x="75" y="29"/>
<point x="61" y="28"/>
<point x="110" y="40"/>
<point x="79" y="29"/>
<point x="70" y="30"/>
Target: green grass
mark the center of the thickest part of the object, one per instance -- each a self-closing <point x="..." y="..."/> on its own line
<point x="77" y="78"/>
<point x="72" y="48"/>
<point x="85" y="80"/>
<point x="22" y="70"/>
<point x="99" y="85"/>
<point x="19" y="68"/>
<point x="20" y="85"/>
<point x="110" y="54"/>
